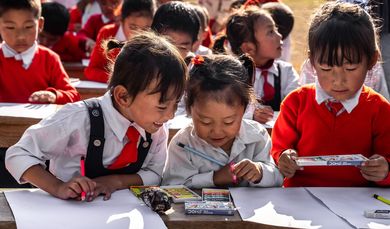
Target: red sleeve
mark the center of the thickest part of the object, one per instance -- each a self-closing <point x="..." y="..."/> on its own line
<point x="285" y="134"/>
<point x="89" y="29"/>
<point x="60" y="83"/>
<point x="69" y="48"/>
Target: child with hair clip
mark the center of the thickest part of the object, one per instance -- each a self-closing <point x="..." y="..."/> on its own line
<point x="236" y="149"/>
<point x="120" y="135"/>
<point x="135" y="15"/>
<point x="252" y="31"/>
<point x="338" y="114"/>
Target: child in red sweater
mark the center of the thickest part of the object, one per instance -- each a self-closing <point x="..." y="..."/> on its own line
<point x="135" y="15"/>
<point x="29" y="72"/>
<point x="342" y="43"/>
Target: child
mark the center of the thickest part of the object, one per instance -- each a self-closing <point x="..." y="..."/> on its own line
<point x="29" y="72"/>
<point x="179" y="22"/>
<point x="135" y="15"/>
<point x="204" y="36"/>
<point x="141" y="99"/>
<point x="218" y="83"/>
<point x="337" y="114"/>
<point x="252" y="31"/>
<point x="54" y="36"/>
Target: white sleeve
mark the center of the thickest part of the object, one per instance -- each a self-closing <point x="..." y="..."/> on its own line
<point x="292" y="79"/>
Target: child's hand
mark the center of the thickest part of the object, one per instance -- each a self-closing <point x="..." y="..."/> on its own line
<point x="89" y="45"/>
<point x="263" y="114"/>
<point x="287" y="165"/>
<point x="248" y="170"/>
<point x="73" y="188"/>
<point x="42" y="97"/>
<point x="375" y="169"/>
<point x="105" y="185"/>
<point x="224" y="176"/>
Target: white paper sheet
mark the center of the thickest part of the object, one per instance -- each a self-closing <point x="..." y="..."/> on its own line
<point x="350" y="204"/>
<point x="38" y="209"/>
<point x="27" y="110"/>
<point x="289" y="207"/>
<point x="88" y="84"/>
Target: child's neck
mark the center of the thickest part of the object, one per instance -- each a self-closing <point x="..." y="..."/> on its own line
<point x="264" y="64"/>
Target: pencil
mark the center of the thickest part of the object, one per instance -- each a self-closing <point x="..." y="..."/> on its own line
<point x="82" y="171"/>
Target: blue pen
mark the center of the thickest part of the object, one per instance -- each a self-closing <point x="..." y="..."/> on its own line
<point x="207" y="157"/>
<point x="200" y="154"/>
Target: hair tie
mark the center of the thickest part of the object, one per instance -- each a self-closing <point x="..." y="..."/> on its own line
<point x="197" y="60"/>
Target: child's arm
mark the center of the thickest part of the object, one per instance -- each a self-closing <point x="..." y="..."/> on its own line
<point x="248" y="170"/>
<point x="72" y="189"/>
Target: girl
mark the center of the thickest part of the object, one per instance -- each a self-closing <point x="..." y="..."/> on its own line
<point x="252" y="31"/>
<point x="337" y="114"/>
<point x="135" y="15"/>
<point x="139" y="102"/>
<point x="218" y="83"/>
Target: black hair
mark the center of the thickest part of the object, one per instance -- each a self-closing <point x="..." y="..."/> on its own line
<point x="240" y="28"/>
<point x="203" y="16"/>
<point x="177" y="16"/>
<point x="144" y="58"/>
<point x="342" y="31"/>
<point x="145" y="8"/>
<point x="33" y="6"/>
<point x="282" y="15"/>
<point x="56" y="18"/>
<point x="221" y="78"/>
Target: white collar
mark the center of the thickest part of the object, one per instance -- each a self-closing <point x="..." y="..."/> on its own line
<point x="118" y="123"/>
<point x="105" y="19"/>
<point x="26" y="57"/>
<point x="120" y="35"/>
<point x="348" y="104"/>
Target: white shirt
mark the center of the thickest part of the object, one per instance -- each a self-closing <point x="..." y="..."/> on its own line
<point x="289" y="79"/>
<point x="64" y="137"/>
<point x="120" y="35"/>
<point x="253" y="142"/>
<point x="26" y="57"/>
<point x="375" y="78"/>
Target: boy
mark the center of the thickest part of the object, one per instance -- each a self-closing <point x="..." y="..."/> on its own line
<point x="29" y="72"/>
<point x="179" y="22"/>
<point x="54" y="35"/>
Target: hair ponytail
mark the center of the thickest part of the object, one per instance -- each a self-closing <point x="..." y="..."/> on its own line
<point x="112" y="44"/>
<point x="250" y="67"/>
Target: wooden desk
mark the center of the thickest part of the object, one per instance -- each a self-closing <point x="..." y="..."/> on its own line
<point x="175" y="218"/>
<point x="75" y="69"/>
<point x="89" y="89"/>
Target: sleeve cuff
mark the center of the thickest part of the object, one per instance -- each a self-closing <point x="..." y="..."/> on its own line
<point x="149" y="177"/>
<point x="203" y="180"/>
<point x="271" y="177"/>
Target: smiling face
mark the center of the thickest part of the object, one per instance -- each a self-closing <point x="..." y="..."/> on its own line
<point x="145" y="109"/>
<point x="342" y="82"/>
<point x="219" y="129"/>
<point x="19" y="29"/>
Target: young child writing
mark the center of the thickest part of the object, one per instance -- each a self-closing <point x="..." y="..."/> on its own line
<point x="252" y="31"/>
<point x="337" y="114"/>
<point x="135" y="15"/>
<point x="120" y="134"/>
<point x="216" y="98"/>
<point x="29" y="72"/>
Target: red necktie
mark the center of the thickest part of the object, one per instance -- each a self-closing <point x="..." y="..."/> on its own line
<point x="334" y="106"/>
<point x="129" y="152"/>
<point x="268" y="89"/>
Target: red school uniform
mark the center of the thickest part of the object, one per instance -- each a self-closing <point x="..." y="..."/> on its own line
<point x="313" y="130"/>
<point x="70" y="48"/>
<point x="44" y="73"/>
<point x="97" y="69"/>
<point x="92" y="27"/>
<point x="75" y="16"/>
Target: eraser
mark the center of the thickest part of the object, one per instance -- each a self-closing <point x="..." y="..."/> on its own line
<point x="377" y="214"/>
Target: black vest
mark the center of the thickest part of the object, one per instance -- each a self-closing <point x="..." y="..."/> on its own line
<point x="94" y="159"/>
<point x="275" y="102"/>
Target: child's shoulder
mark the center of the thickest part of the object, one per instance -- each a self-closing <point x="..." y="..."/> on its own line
<point x="251" y="129"/>
<point x="109" y="30"/>
<point x="370" y="95"/>
<point x="46" y="52"/>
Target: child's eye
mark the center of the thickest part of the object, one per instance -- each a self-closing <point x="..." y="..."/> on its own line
<point x="229" y="123"/>
<point x="29" y="27"/>
<point x="204" y="123"/>
<point x="10" y="28"/>
<point x="162" y="108"/>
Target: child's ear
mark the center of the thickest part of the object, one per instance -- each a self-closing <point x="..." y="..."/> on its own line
<point x="121" y="96"/>
<point x="249" y="48"/>
<point x="41" y="24"/>
<point x="373" y="60"/>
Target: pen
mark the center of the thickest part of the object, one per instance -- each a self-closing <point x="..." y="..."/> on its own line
<point x="82" y="171"/>
<point x="384" y="200"/>
<point x="207" y="157"/>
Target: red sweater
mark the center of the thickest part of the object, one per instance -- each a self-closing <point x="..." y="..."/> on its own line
<point x="313" y="130"/>
<point x="70" y="48"/>
<point x="92" y="27"/>
<point x="45" y="73"/>
<point x="97" y="69"/>
<point x="75" y="16"/>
